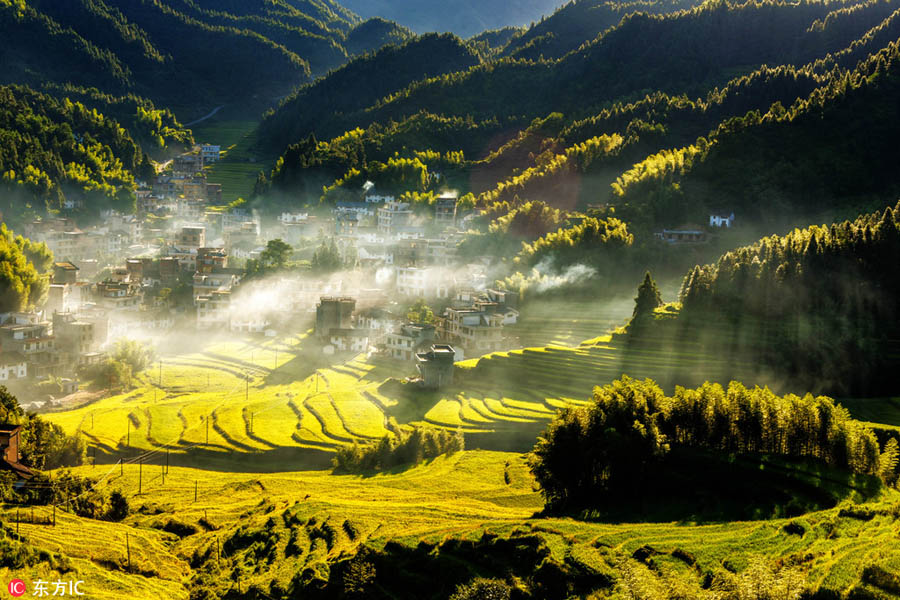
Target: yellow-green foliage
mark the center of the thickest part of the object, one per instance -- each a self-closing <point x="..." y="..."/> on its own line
<point x="661" y="168"/>
<point x="576" y="159"/>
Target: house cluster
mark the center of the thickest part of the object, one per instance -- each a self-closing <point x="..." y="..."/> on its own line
<point x="182" y="189"/>
<point x="379" y="230"/>
<point x="697" y="234"/>
<point x="472" y="324"/>
<point x="114" y="235"/>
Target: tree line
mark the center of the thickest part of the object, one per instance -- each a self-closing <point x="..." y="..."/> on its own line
<point x="52" y="150"/>
<point x="24" y="272"/>
<point x="817" y="305"/>
<point x="626" y="433"/>
<point x="403" y="446"/>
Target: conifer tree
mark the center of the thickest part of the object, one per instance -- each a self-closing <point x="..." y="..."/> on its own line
<point x="648" y="298"/>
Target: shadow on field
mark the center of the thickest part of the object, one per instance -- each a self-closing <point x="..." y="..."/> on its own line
<point x="272" y="461"/>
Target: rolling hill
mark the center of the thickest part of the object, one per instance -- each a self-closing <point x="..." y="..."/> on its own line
<point x="182" y="54"/>
<point x="462" y="17"/>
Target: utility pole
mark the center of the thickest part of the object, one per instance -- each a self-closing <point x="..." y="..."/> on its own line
<point x="163" y="469"/>
<point x="195" y="490"/>
<point x="167" y="461"/>
<point x="140" y="475"/>
<point x="121" y="468"/>
<point x="128" y="549"/>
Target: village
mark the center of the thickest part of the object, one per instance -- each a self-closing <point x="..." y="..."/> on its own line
<point x="179" y="266"/>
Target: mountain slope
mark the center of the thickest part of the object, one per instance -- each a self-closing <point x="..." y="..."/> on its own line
<point x="462" y="17"/>
<point x="831" y="155"/>
<point x="643" y="53"/>
<point x="326" y="104"/>
<point x="183" y="54"/>
<point x="52" y="151"/>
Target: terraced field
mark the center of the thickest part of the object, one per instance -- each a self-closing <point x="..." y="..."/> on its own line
<point x="237" y="397"/>
<point x="303" y="522"/>
<point x="282" y="401"/>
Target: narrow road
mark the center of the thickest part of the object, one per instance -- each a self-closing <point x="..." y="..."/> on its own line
<point x="201" y="119"/>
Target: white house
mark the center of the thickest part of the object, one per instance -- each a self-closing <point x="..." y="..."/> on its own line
<point x="353" y="340"/>
<point x="210" y="153"/>
<point x="721" y="220"/>
<point x="12" y="366"/>
<point x="422" y="283"/>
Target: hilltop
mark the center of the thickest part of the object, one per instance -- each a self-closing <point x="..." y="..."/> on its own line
<point x="462" y="17"/>
<point x="163" y="50"/>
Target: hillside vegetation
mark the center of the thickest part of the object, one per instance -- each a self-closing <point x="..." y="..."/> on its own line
<point x="162" y="49"/>
<point x="52" y="150"/>
<point x="814" y="306"/>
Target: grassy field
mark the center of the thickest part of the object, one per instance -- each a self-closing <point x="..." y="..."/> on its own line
<point x="242" y="423"/>
<point x="235" y="132"/>
<point x="265" y="531"/>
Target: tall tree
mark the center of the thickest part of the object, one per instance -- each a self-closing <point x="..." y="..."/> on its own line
<point x="648" y="298"/>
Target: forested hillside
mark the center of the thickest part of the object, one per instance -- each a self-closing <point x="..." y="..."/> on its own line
<point x="52" y="150"/>
<point x="163" y="50"/>
<point x="650" y="79"/>
<point x="580" y="22"/>
<point x="332" y="104"/>
<point x="832" y="153"/>
<point x="814" y="309"/>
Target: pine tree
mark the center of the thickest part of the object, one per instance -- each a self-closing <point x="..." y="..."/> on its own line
<point x="648" y="298"/>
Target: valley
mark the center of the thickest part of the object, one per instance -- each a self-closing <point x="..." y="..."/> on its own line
<point x="450" y="301"/>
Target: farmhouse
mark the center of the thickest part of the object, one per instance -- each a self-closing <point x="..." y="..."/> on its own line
<point x="214" y="310"/>
<point x="686" y="234"/>
<point x="348" y="340"/>
<point x="477" y="331"/>
<point x="417" y="282"/>
<point x="435" y="366"/>
<point x="9" y="451"/>
<point x="210" y="153"/>
<point x="445" y="209"/>
<point x="393" y="216"/>
<point x="334" y="313"/>
<point x="721" y="219"/>
<point x="12" y="366"/>
<point x="412" y="337"/>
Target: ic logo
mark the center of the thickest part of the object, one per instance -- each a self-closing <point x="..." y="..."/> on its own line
<point x="17" y="588"/>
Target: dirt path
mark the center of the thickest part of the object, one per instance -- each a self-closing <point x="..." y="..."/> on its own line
<point x="205" y="117"/>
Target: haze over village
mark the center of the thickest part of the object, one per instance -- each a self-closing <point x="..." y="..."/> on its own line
<point x="405" y="300"/>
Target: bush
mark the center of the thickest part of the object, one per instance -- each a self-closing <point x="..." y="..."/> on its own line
<point x="482" y="589"/>
<point x="118" y="506"/>
<point x="400" y="448"/>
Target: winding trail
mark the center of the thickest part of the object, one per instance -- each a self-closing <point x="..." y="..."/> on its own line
<point x="205" y="117"/>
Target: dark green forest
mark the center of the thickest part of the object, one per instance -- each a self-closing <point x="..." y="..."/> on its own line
<point x="631" y="433"/>
<point x="815" y="309"/>
<point x="52" y="150"/>
<point x="162" y="50"/>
